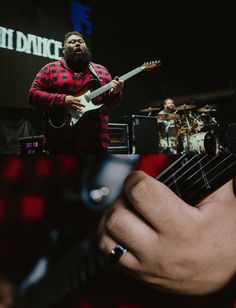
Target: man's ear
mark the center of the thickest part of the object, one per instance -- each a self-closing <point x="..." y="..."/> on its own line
<point x="63" y="50"/>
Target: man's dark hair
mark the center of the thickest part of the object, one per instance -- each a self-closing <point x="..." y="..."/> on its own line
<point x="72" y="33"/>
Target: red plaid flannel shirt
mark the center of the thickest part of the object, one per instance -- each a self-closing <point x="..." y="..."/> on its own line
<point x="49" y="89"/>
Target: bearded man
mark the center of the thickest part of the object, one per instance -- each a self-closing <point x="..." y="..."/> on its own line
<point x="74" y="121"/>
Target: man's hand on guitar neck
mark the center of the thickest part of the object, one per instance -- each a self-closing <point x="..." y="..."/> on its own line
<point x="117" y="85"/>
<point x="73" y="102"/>
<point x="170" y="245"/>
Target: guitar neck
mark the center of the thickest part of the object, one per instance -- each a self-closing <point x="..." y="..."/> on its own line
<point x="108" y="86"/>
<point x="194" y="177"/>
<point x="71" y="273"/>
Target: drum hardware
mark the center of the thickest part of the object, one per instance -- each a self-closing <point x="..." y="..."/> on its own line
<point x="188" y="124"/>
<point x="167" y="117"/>
<point x="150" y="109"/>
<point x="207" y="108"/>
<point x="188" y="132"/>
<point x="185" y="107"/>
<point x="213" y="122"/>
<point x="205" y="122"/>
<point x="204" y="136"/>
<point x="200" y="122"/>
<point x="169" y="125"/>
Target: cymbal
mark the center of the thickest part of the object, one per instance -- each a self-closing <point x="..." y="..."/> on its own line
<point x="185" y="107"/>
<point x="167" y="117"/>
<point x="207" y="108"/>
<point x="150" y="109"/>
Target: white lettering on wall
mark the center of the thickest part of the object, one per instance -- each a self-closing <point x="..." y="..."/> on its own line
<point x="6" y="38"/>
<point x="29" y="43"/>
<point x="21" y="42"/>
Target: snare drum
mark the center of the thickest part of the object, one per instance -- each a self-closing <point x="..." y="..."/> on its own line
<point x="201" y="143"/>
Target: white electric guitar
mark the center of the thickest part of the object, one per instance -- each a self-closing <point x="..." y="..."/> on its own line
<point x="71" y="116"/>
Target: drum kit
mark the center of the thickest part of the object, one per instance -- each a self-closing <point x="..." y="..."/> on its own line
<point x="187" y="130"/>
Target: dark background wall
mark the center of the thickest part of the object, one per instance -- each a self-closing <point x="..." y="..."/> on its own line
<point x="195" y="43"/>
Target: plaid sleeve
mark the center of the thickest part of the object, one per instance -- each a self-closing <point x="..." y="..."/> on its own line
<point x="39" y="93"/>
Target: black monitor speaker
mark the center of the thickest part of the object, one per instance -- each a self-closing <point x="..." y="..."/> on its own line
<point x="143" y="133"/>
<point x="231" y="137"/>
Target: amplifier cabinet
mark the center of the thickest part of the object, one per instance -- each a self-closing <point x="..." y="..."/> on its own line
<point x="231" y="137"/>
<point x="143" y="133"/>
<point x="118" y="138"/>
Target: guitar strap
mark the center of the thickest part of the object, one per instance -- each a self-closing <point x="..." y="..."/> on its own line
<point x="92" y="70"/>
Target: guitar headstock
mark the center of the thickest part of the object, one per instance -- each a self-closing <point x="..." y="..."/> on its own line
<point x="148" y="66"/>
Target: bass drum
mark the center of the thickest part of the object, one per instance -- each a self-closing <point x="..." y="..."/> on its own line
<point x="201" y="143"/>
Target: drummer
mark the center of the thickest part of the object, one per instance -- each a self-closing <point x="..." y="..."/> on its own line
<point x="169" y="113"/>
<point x="168" y="106"/>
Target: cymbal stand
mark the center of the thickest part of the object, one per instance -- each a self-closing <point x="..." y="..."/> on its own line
<point x="168" y="149"/>
<point x="167" y="126"/>
<point x="187" y="121"/>
<point x="188" y="132"/>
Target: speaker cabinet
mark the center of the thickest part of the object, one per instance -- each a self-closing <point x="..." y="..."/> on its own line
<point x="143" y="132"/>
<point x="231" y="137"/>
<point x="118" y="138"/>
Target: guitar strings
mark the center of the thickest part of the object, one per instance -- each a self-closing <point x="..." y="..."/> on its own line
<point x="212" y="180"/>
<point x="209" y="171"/>
<point x="180" y="169"/>
<point x="195" y="173"/>
<point x="201" y="169"/>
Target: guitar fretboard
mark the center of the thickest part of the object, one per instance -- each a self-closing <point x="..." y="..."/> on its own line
<point x="108" y="86"/>
<point x="194" y="177"/>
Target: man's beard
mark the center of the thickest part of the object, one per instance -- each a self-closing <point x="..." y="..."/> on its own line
<point x="78" y="62"/>
<point x="170" y="108"/>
